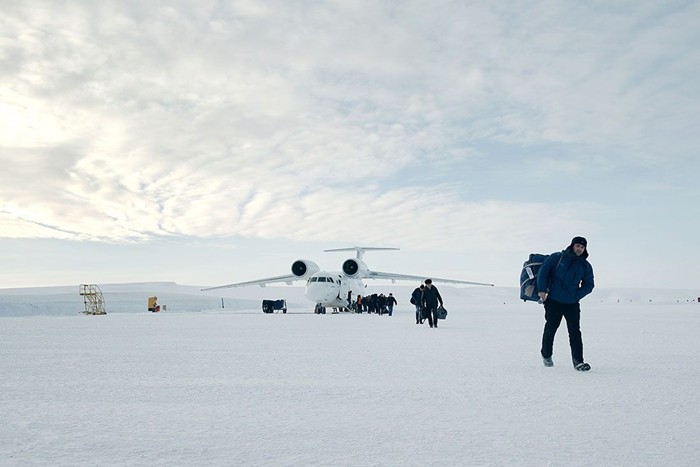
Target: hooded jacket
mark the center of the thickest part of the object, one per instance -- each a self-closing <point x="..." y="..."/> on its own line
<point x="566" y="277"/>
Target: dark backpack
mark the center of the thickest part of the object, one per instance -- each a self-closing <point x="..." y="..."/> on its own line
<point x="415" y="296"/>
<point x="528" y="277"/>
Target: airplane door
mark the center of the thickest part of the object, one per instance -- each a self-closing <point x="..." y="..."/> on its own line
<point x="345" y="293"/>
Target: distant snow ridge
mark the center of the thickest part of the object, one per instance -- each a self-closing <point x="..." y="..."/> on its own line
<point x="70" y="304"/>
<point x="132" y="298"/>
<point x="119" y="298"/>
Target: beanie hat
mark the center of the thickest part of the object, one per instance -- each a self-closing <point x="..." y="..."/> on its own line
<point x="579" y="240"/>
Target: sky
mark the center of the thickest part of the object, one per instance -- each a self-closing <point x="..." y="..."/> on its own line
<point x="208" y="142"/>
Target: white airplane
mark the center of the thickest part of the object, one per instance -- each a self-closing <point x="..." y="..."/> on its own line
<point x="337" y="289"/>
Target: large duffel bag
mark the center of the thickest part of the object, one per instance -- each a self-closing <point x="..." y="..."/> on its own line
<point x="528" y="277"/>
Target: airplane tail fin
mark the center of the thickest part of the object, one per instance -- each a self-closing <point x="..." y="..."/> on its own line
<point x="361" y="249"/>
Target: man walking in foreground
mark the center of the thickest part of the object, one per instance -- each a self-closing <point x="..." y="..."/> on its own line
<point x="564" y="279"/>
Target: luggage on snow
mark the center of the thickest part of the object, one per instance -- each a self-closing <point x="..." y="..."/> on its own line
<point x="441" y="312"/>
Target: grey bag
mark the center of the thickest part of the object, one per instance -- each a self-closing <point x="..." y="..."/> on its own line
<point x="441" y="312"/>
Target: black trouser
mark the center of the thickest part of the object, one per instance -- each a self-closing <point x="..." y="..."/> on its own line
<point x="553" y="313"/>
<point x="431" y="311"/>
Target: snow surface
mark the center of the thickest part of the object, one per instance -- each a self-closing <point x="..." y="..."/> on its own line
<point x="233" y="386"/>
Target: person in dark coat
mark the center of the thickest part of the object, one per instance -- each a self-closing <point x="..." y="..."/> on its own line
<point x="431" y="298"/>
<point x="417" y="300"/>
<point x="565" y="278"/>
<point x="373" y="303"/>
<point x="390" y="302"/>
<point x="381" y="304"/>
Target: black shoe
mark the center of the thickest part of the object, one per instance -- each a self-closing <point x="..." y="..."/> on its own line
<point x="582" y="366"/>
<point x="547" y="361"/>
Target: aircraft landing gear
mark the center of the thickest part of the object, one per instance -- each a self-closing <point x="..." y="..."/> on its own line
<point x="319" y="309"/>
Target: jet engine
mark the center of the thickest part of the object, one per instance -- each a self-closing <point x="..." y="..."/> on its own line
<point x="354" y="267"/>
<point x="303" y="268"/>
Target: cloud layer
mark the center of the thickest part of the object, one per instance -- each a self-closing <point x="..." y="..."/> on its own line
<point x="446" y="123"/>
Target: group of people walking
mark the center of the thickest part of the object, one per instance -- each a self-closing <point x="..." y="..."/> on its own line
<point x="376" y="303"/>
<point x="426" y="299"/>
<point x="564" y="279"/>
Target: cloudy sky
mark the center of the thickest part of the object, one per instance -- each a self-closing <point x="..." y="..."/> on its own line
<point x="209" y="142"/>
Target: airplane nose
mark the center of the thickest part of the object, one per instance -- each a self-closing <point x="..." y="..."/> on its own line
<point x="318" y="293"/>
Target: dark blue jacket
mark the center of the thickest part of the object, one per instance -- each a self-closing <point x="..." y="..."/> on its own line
<point x="566" y="277"/>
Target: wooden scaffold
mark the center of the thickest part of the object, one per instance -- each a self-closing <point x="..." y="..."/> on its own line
<point x="92" y="297"/>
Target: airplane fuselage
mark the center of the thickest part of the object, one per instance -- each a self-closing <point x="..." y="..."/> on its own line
<point x="332" y="289"/>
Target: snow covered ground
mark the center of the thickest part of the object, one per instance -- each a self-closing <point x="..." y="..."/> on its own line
<point x="233" y="386"/>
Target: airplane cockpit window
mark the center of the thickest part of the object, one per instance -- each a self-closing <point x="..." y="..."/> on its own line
<point x="323" y="279"/>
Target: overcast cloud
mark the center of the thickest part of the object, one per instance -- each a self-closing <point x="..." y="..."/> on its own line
<point x="480" y="130"/>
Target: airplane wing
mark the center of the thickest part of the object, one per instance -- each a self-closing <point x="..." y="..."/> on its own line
<point x="404" y="277"/>
<point x="288" y="279"/>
